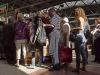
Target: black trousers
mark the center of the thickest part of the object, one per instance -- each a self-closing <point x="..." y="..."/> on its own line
<point x="97" y="49"/>
<point x="2" y="50"/>
<point x="10" y="54"/>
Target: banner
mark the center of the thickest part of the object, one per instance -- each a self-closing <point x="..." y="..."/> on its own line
<point x="3" y="8"/>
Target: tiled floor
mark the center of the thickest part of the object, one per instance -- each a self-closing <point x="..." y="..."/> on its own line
<point x="92" y="69"/>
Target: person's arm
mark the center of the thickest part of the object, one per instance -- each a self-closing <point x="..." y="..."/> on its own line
<point x="48" y="25"/>
<point x="54" y="21"/>
<point x="81" y="21"/>
<point x="98" y="30"/>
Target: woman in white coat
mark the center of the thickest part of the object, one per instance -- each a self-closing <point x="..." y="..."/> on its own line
<point x="65" y="33"/>
<point x="64" y="36"/>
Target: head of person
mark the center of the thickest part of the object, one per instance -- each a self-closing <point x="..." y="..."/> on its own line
<point x="51" y="12"/>
<point x="10" y="19"/>
<point x="20" y="17"/>
<point x="79" y="12"/>
<point x="97" y="21"/>
<point x="2" y="23"/>
<point x="65" y="20"/>
<point x="29" y="21"/>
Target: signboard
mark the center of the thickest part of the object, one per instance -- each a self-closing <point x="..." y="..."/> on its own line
<point x="3" y="8"/>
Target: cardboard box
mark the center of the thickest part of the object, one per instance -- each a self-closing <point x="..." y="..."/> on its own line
<point x="46" y="49"/>
<point x="46" y="55"/>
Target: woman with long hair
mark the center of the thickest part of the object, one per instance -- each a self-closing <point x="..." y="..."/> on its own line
<point x="80" y="40"/>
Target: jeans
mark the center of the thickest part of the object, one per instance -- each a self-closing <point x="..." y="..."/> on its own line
<point x="80" y="49"/>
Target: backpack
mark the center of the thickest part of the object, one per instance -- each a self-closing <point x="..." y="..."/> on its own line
<point x="86" y="31"/>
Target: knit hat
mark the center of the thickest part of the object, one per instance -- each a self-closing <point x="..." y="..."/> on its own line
<point x="65" y="19"/>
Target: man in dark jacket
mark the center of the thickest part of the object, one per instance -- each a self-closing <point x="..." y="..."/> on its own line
<point x="2" y="51"/>
<point x="8" y="40"/>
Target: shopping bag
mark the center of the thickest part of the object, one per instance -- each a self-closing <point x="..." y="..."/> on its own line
<point x="65" y="54"/>
<point x="42" y="35"/>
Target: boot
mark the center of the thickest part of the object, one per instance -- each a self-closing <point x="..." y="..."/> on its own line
<point x="32" y="66"/>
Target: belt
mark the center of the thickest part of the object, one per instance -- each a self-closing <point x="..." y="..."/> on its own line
<point x="58" y="29"/>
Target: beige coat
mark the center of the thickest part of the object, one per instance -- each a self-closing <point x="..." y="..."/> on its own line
<point x="65" y="41"/>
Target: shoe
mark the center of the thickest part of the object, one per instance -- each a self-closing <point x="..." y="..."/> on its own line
<point x="16" y="65"/>
<point x="94" y="61"/>
<point x="25" y="64"/>
<point x="53" y="69"/>
<point x="83" y="69"/>
<point x="30" y="67"/>
<point x="65" y="64"/>
<point x="76" y="70"/>
<point x="98" y="62"/>
<point x="38" y="64"/>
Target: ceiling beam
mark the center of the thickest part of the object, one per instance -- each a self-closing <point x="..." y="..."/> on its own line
<point x="84" y="7"/>
<point x="35" y="4"/>
<point x="23" y="2"/>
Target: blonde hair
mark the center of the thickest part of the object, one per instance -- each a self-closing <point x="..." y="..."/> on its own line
<point x="20" y="16"/>
<point x="79" y="12"/>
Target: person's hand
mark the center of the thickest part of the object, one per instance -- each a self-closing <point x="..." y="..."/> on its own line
<point x="44" y="25"/>
<point x="32" y="43"/>
<point x="96" y="29"/>
<point x="71" y="30"/>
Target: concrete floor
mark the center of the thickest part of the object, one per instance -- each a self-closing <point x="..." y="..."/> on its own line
<point x="92" y="69"/>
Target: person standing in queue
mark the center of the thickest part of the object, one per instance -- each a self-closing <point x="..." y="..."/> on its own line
<point x="9" y="41"/>
<point x="80" y="39"/>
<point x="54" y="36"/>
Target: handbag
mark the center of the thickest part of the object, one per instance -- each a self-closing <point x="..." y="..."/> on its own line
<point x="42" y="36"/>
<point x="65" y="54"/>
<point x="72" y="37"/>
